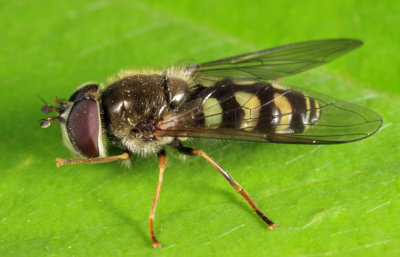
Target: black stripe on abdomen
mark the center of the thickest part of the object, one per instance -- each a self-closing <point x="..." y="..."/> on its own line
<point x="232" y="113"/>
<point x="299" y="111"/>
<point x="268" y="109"/>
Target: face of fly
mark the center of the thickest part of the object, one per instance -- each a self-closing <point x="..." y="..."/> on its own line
<point x="80" y="121"/>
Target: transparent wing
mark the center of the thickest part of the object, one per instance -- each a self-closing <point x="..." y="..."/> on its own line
<point x="260" y="115"/>
<point x="276" y="62"/>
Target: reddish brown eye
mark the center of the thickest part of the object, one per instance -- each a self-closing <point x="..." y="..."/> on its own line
<point x="83" y="127"/>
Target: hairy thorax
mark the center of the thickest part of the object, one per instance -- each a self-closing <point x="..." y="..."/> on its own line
<point x="132" y="108"/>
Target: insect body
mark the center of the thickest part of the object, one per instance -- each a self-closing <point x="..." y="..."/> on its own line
<point x="235" y="98"/>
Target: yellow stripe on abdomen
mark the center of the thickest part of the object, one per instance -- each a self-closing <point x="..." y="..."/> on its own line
<point x="250" y="104"/>
<point x="212" y="112"/>
<point x="285" y="108"/>
<point x="308" y="110"/>
<point x="317" y="110"/>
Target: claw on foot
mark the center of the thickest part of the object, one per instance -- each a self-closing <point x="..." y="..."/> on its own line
<point x="272" y="226"/>
<point x="157" y="244"/>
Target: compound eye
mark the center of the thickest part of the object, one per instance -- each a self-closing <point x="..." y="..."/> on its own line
<point x="83" y="127"/>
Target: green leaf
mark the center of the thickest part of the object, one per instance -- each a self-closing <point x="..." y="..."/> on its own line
<point x="338" y="200"/>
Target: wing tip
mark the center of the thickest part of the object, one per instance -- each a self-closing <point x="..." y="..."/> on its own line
<point x="353" y="43"/>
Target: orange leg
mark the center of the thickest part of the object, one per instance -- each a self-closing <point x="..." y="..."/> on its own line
<point x="124" y="156"/>
<point x="162" y="162"/>
<point x="198" y="152"/>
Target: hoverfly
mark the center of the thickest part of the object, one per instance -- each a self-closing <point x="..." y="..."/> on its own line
<point x="236" y="98"/>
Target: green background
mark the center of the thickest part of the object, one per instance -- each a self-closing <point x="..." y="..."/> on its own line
<point x="339" y="200"/>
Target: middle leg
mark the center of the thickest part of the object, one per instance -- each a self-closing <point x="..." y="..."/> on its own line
<point x="162" y="162"/>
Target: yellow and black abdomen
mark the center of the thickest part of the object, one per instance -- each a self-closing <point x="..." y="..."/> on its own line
<point x="259" y="107"/>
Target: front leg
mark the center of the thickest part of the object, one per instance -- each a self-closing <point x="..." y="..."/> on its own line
<point x="123" y="156"/>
